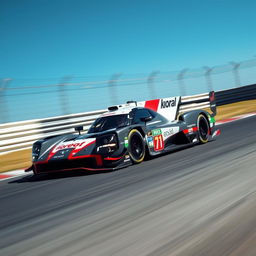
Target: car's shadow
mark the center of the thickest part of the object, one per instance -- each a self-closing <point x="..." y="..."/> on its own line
<point x="82" y="173"/>
<point x="53" y="176"/>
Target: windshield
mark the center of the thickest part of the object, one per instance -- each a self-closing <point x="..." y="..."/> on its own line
<point x="109" y="122"/>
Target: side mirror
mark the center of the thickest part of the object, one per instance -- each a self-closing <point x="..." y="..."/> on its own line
<point x="146" y="119"/>
<point x="79" y="129"/>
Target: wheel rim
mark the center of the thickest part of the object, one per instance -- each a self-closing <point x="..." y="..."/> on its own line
<point x="136" y="147"/>
<point x="203" y="128"/>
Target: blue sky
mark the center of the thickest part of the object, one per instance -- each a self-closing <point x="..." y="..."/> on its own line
<point x="42" y="41"/>
<point x="52" y="38"/>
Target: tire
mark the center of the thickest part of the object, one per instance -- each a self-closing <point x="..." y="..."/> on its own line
<point x="136" y="148"/>
<point x="203" y="129"/>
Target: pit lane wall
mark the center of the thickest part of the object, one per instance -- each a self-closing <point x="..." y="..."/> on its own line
<point x="17" y="136"/>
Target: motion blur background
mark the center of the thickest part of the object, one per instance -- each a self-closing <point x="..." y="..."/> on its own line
<point x="60" y="57"/>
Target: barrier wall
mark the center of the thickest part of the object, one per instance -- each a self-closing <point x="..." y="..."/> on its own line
<point x="236" y="94"/>
<point x="21" y="135"/>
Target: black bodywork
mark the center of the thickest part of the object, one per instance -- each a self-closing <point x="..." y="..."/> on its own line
<point x="112" y="140"/>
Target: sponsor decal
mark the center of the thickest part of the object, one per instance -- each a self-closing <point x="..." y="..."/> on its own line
<point x="75" y="144"/>
<point x="150" y="142"/>
<point x="165" y="106"/>
<point x="168" y="103"/>
<point x="156" y="132"/>
<point x="58" y="157"/>
<point x="212" y="119"/>
<point x="158" y="142"/>
<point x="126" y="158"/>
<point x="126" y="143"/>
<point x="150" y="138"/>
<point x="168" y="132"/>
<point x="190" y="130"/>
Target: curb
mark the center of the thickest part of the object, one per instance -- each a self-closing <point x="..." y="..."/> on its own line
<point x="12" y="174"/>
<point x="235" y="118"/>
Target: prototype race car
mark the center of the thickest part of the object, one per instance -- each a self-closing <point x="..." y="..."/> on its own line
<point x="125" y="135"/>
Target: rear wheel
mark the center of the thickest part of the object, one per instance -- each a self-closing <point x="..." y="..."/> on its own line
<point x="203" y="129"/>
<point x="136" y="146"/>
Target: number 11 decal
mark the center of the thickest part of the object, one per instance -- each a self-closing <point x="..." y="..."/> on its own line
<point x="158" y="143"/>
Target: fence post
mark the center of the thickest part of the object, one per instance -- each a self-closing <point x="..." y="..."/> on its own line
<point x="208" y="79"/>
<point x="236" y="66"/>
<point x="3" y="101"/>
<point x="151" y="85"/>
<point x="62" y="94"/>
<point x="181" y="81"/>
<point x="112" y="87"/>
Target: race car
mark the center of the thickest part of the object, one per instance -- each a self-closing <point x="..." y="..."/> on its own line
<point x="124" y="135"/>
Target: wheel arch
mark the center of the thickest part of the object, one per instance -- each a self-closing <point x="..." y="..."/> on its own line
<point x="190" y="117"/>
<point x="139" y="128"/>
<point x="205" y="114"/>
<point x="141" y="134"/>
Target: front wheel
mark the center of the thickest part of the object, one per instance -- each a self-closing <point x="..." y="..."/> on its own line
<point x="136" y="146"/>
<point x="203" y="129"/>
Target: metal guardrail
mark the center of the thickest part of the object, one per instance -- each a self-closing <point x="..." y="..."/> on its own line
<point x="21" y="135"/>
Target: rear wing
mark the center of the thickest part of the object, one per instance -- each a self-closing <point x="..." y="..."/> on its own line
<point x="173" y="106"/>
<point x="167" y="107"/>
<point x="200" y="101"/>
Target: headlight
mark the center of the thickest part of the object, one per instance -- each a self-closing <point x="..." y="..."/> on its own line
<point x="36" y="151"/>
<point x="107" y="143"/>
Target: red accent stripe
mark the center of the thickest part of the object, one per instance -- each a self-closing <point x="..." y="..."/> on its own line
<point x="218" y="132"/>
<point x="190" y="130"/>
<point x="75" y="151"/>
<point x="235" y="118"/>
<point x="112" y="158"/>
<point x="152" y="104"/>
<point x="98" y="159"/>
<point x="4" y="176"/>
<point x="185" y="131"/>
<point x="79" y="169"/>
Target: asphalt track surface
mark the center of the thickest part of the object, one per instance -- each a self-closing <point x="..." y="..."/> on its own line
<point x="198" y="201"/>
